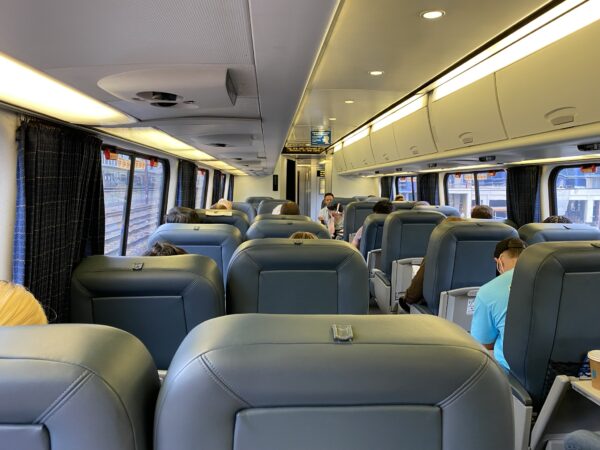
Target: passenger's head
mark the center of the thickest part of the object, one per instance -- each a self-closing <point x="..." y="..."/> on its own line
<point x="218" y="206"/>
<point x="290" y="208"/>
<point x="452" y="219"/>
<point x="226" y="203"/>
<point x="181" y="214"/>
<point x="19" y="307"/>
<point x="164" y="249"/>
<point x="399" y="198"/>
<point x="383" y="207"/>
<point x="482" y="212"/>
<point x="328" y="199"/>
<point x="303" y="235"/>
<point x="557" y="219"/>
<point x="507" y="253"/>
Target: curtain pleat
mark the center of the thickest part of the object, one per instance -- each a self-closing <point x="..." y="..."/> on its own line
<point x="386" y="187"/>
<point x="186" y="184"/>
<point x="64" y="210"/>
<point x="427" y="188"/>
<point x="231" y="184"/>
<point x="217" y="189"/>
<point x="522" y="194"/>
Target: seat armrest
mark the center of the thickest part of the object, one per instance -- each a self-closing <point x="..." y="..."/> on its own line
<point x="381" y="275"/>
<point x="466" y="291"/>
<point x="410" y="261"/>
<point x="518" y="391"/>
<point x="373" y="259"/>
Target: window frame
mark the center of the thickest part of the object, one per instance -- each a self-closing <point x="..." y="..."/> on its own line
<point x="552" y="200"/>
<point x="475" y="184"/>
<point x="413" y="185"/>
<point x="166" y="178"/>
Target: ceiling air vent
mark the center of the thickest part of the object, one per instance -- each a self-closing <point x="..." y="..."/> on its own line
<point x="159" y="99"/>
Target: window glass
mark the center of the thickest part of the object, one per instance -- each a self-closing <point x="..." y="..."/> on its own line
<point x="115" y="172"/>
<point x="146" y="203"/>
<point x="577" y="191"/>
<point x="460" y="190"/>
<point x="492" y="191"/>
<point x="201" y="180"/>
<point x="407" y="186"/>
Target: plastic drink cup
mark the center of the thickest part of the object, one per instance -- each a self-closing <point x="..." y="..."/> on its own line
<point x="594" y="357"/>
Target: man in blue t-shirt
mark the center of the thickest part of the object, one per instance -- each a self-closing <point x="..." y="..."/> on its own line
<point x="491" y="302"/>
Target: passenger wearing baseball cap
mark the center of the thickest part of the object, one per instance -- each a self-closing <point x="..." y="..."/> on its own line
<point x="491" y="302"/>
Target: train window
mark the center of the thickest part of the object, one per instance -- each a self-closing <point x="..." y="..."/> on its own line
<point x="576" y="193"/>
<point x="465" y="190"/>
<point x="407" y="186"/>
<point x="201" y="186"/>
<point x="134" y="188"/>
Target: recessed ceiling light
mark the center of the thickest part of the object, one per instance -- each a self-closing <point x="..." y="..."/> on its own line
<point x="376" y="73"/>
<point x="349" y="102"/>
<point x="432" y="15"/>
<point x="332" y="118"/>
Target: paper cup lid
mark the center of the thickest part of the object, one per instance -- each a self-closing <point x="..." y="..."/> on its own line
<point x="595" y="355"/>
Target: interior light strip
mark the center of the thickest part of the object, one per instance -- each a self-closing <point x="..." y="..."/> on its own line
<point x="460" y="168"/>
<point x="355" y="137"/>
<point x="337" y="147"/>
<point x="404" y="109"/>
<point x="559" y="159"/>
<point x="28" y="88"/>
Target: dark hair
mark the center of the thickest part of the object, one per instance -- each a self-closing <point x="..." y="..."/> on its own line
<point x="557" y="219"/>
<point x="290" y="208"/>
<point x="303" y="235"/>
<point x="334" y="207"/>
<point x="482" y="212"/>
<point x="329" y="193"/>
<point x="514" y="247"/>
<point x="181" y="214"/>
<point x="399" y="198"/>
<point x="164" y="249"/>
<point x="383" y="207"/>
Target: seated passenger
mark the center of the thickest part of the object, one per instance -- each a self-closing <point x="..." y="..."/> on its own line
<point x="164" y="249"/>
<point x="491" y="302"/>
<point x="381" y="207"/>
<point x="399" y="198"/>
<point x="414" y="293"/>
<point x="482" y="212"/>
<point x="302" y="235"/>
<point x="557" y="219"/>
<point x="181" y="214"/>
<point x="19" y="307"/>
<point x="226" y="203"/>
<point x="290" y="208"/>
<point x="331" y="215"/>
<point x="218" y="206"/>
<point x="582" y="440"/>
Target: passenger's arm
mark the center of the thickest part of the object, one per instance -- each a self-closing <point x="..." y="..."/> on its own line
<point x="414" y="293"/>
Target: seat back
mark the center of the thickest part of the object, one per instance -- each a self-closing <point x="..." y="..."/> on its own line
<point x="343" y="201"/>
<point x="74" y="386"/>
<point x="255" y="201"/>
<point x="218" y="242"/>
<point x="372" y="233"/>
<point x="553" y="310"/>
<point x="532" y="233"/>
<point x="354" y="216"/>
<point x="267" y="206"/>
<point x="158" y="299"/>
<point x="234" y="217"/>
<point x="289" y="276"/>
<point x="402" y="205"/>
<point x="448" y="211"/>
<point x="246" y="208"/>
<point x="282" y="217"/>
<point x="285" y="383"/>
<point x="406" y="235"/>
<point x="273" y="228"/>
<point x="461" y="254"/>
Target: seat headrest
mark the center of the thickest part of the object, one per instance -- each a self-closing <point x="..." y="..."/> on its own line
<point x="532" y="233"/>
<point x="182" y="234"/>
<point x="355" y="215"/>
<point x="448" y="211"/>
<point x="282" y="217"/>
<point x="372" y="233"/>
<point x="246" y="208"/>
<point x="236" y="218"/>
<point x="274" y="228"/>
<point x="403" y="205"/>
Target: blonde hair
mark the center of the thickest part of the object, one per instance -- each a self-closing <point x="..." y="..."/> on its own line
<point x="19" y="307"/>
<point x="303" y="235"/>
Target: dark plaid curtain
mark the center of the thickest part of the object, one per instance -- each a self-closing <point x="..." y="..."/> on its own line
<point x="230" y="192"/>
<point x="64" y="209"/>
<point x="217" y="189"/>
<point x="522" y="194"/>
<point x="186" y="184"/>
<point x="386" y="187"/>
<point x="427" y="188"/>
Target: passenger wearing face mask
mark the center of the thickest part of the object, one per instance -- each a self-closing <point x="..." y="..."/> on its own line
<point x="491" y="302"/>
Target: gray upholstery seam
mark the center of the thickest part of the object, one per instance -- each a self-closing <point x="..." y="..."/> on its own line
<point x="218" y="379"/>
<point x="467" y="385"/>
<point x="63" y="397"/>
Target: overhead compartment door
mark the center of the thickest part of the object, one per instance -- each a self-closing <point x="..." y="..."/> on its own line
<point x="383" y="145"/>
<point x="339" y="161"/>
<point x="413" y="135"/>
<point x="358" y="154"/>
<point x="556" y="87"/>
<point x="469" y="116"/>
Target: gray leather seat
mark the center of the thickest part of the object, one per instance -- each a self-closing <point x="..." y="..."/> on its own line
<point x="237" y="218"/>
<point x="297" y="276"/>
<point x="267" y="206"/>
<point x="218" y="242"/>
<point x="533" y="233"/>
<point x="372" y="233"/>
<point x="460" y="255"/>
<point x="282" y="217"/>
<point x="448" y="211"/>
<point x="273" y="228"/>
<point x="402" y="205"/>
<point x="159" y="299"/>
<point x="354" y="216"/>
<point x="255" y="201"/>
<point x="273" y="382"/>
<point x="246" y="208"/>
<point x="343" y="200"/>
<point x="67" y="387"/>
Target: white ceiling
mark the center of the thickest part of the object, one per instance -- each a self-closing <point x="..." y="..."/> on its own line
<point x="390" y="35"/>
